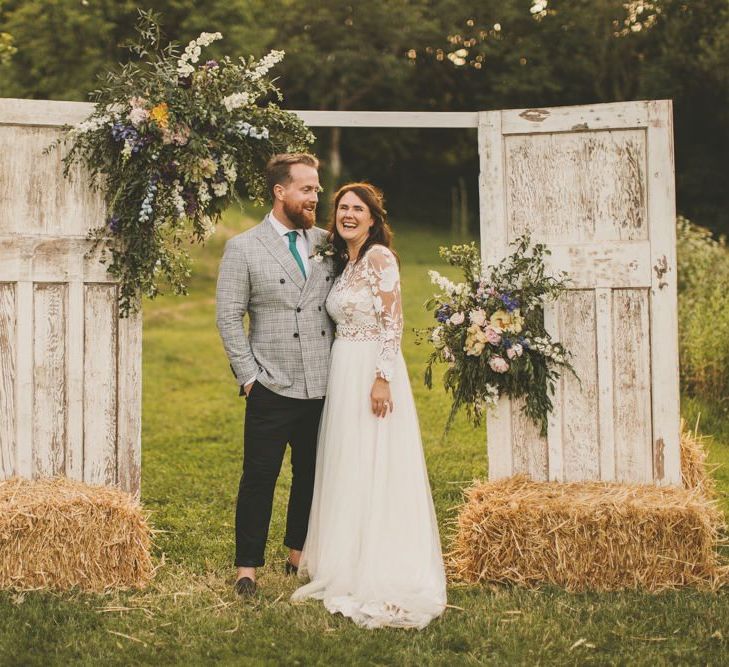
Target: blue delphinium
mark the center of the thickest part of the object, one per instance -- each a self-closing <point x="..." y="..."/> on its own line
<point x="443" y="313"/>
<point x="509" y="302"/>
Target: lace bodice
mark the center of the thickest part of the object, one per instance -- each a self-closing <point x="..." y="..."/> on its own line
<point x="365" y="304"/>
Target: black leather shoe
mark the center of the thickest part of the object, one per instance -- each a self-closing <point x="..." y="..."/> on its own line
<point x="291" y="568"/>
<point x="245" y="587"/>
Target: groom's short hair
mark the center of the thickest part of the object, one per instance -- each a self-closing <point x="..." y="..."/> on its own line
<point x="278" y="168"/>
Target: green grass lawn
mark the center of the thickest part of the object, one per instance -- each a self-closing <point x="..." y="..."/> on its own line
<point x="192" y="452"/>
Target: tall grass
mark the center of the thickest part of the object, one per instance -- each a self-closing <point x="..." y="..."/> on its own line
<point x="703" y="312"/>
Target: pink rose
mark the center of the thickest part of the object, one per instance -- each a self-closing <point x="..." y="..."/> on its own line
<point x="492" y="336"/>
<point x="457" y="318"/>
<point x="498" y="364"/>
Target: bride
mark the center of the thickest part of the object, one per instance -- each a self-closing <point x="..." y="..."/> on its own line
<point x="372" y="550"/>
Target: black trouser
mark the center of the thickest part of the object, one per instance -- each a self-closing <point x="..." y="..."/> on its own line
<point x="271" y="422"/>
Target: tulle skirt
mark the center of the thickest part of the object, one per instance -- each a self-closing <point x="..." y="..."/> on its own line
<point x="372" y="551"/>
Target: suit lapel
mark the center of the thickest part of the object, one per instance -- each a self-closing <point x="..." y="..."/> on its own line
<point x="318" y="271"/>
<point x="276" y="247"/>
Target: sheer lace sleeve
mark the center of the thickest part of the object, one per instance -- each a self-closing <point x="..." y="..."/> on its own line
<point x="384" y="279"/>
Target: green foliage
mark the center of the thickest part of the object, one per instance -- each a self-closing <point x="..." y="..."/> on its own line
<point x="492" y="334"/>
<point x="435" y="55"/>
<point x="703" y="311"/>
<point x="169" y="142"/>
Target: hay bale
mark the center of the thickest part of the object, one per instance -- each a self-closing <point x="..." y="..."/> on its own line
<point x="694" y="468"/>
<point x="59" y="534"/>
<point x="595" y="536"/>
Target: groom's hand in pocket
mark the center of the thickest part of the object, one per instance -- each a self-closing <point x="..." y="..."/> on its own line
<point x="380" y="398"/>
<point x="247" y="388"/>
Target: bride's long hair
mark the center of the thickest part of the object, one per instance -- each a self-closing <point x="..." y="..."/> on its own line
<point x="380" y="232"/>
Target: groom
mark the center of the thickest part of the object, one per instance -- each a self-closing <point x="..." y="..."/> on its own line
<point x="281" y="364"/>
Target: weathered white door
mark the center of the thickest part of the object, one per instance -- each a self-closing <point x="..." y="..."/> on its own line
<point x="70" y="370"/>
<point x="596" y="183"/>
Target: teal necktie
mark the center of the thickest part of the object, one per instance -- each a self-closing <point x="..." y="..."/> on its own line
<point x="292" y="247"/>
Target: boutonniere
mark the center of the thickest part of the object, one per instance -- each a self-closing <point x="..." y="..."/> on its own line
<point x="323" y="250"/>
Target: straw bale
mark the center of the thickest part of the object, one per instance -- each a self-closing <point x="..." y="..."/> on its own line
<point x="595" y="536"/>
<point x="59" y="534"/>
<point x="694" y="467"/>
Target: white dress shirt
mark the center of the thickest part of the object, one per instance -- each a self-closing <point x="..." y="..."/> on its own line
<point x="302" y="245"/>
<point x="302" y="240"/>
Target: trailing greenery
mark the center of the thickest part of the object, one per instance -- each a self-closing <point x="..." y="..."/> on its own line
<point x="491" y="331"/>
<point x="170" y="142"/>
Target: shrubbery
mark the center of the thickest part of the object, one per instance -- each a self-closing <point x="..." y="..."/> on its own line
<point x="703" y="311"/>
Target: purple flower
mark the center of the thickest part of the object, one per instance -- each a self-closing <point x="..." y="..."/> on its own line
<point x="443" y="313"/>
<point x="113" y="224"/>
<point x="191" y="204"/>
<point x="211" y="64"/>
<point x="509" y="302"/>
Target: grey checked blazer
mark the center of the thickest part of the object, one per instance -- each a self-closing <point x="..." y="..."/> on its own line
<point x="290" y="334"/>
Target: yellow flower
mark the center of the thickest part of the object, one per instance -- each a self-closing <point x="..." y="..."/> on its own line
<point x="517" y="322"/>
<point x="500" y="320"/>
<point x="475" y="341"/>
<point x="160" y="115"/>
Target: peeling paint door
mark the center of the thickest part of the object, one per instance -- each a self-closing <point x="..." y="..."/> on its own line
<point x="596" y="183"/>
<point x="70" y="370"/>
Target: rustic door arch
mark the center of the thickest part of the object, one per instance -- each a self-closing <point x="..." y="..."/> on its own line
<point x="70" y="371"/>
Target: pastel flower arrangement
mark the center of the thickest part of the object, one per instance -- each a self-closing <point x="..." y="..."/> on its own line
<point x="323" y="251"/>
<point x="491" y="333"/>
<point x="172" y="142"/>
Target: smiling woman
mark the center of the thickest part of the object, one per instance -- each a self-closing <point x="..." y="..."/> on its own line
<point x="359" y="220"/>
<point x="372" y="550"/>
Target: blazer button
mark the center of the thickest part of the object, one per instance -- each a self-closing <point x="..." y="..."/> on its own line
<point x="320" y="309"/>
<point x="282" y="281"/>
<point x="298" y="310"/>
<point x="323" y="333"/>
<point x="327" y="278"/>
<point x="296" y="335"/>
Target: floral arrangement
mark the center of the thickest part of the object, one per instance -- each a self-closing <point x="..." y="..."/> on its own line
<point x="323" y="251"/>
<point x="172" y="141"/>
<point x="491" y="333"/>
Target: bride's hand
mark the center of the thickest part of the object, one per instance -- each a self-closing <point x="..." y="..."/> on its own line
<point x="380" y="397"/>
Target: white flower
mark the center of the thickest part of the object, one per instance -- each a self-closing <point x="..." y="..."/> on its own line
<point x="235" y="101"/>
<point x="127" y="150"/>
<point x="318" y="258"/>
<point x="477" y="317"/>
<point x="265" y="64"/>
<point x="184" y="69"/>
<point x="177" y="201"/>
<point x="220" y="189"/>
<point x="137" y="116"/>
<point x="207" y="38"/>
<point x="442" y="282"/>
<point x="91" y="124"/>
<point x="203" y="194"/>
<point x="228" y="164"/>
<point x="193" y="50"/>
<point x="457" y="318"/>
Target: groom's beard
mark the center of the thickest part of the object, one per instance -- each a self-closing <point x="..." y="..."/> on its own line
<point x="300" y="217"/>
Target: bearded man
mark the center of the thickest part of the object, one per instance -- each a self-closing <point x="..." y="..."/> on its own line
<point x="282" y="363"/>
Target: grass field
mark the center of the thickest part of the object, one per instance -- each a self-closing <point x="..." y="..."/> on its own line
<point x="192" y="446"/>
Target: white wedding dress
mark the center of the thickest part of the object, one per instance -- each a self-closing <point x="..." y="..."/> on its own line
<point x="372" y="551"/>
